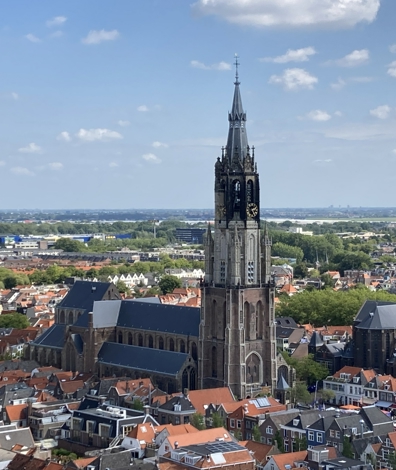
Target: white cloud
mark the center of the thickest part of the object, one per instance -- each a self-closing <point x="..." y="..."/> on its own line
<point x="157" y="145"/>
<point x="338" y="85"/>
<point x="113" y="165"/>
<point x="143" y="108"/>
<point x="392" y="69"/>
<point x="91" y="135"/>
<point x="338" y="113"/>
<point x="392" y="48"/>
<point x="294" y="79"/>
<point x="362" y="79"/>
<point x="292" y="55"/>
<point x="56" y="21"/>
<point x="318" y="115"/>
<point x="31" y="148"/>
<point x="32" y="38"/>
<point x="218" y="66"/>
<point x="14" y="95"/>
<point x="2" y="163"/>
<point x="20" y="170"/>
<point x="382" y="112"/>
<point x="123" y="123"/>
<point x="56" y="166"/>
<point x="323" y="13"/>
<point x="96" y="37"/>
<point x="354" y="59"/>
<point x="56" y="34"/>
<point x="65" y="136"/>
<point x="150" y="157"/>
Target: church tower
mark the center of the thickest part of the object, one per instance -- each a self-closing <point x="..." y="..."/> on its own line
<point x="237" y="337"/>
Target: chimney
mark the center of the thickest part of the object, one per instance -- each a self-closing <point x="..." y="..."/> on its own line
<point x="127" y="389"/>
<point x="146" y="410"/>
<point x="176" y="445"/>
<point x="185" y="392"/>
<point x="90" y="320"/>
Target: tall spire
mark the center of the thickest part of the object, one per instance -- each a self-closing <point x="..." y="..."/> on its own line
<point x="237" y="139"/>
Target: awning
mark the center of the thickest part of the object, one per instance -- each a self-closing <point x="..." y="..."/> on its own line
<point x="384" y="404"/>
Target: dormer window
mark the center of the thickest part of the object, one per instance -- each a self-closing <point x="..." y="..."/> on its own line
<point x="356" y="380"/>
<point x="295" y="422"/>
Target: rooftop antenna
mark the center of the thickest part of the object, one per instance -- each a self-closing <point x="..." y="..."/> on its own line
<point x="236" y="63"/>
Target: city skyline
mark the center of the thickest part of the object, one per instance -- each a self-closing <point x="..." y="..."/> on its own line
<point x="126" y="106"/>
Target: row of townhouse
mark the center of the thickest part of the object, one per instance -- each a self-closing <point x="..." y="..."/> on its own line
<point x="130" y="280"/>
<point x="356" y="386"/>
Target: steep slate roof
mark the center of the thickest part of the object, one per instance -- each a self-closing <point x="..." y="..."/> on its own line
<point x="381" y="317"/>
<point x="159" y="317"/>
<point x="370" y="306"/>
<point x="143" y="359"/>
<point x="54" y="337"/>
<point x="185" y="404"/>
<point x="83" y="294"/>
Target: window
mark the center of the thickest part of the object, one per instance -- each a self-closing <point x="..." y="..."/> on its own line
<point x="269" y="441"/>
<point x="232" y="423"/>
<point x="239" y="424"/>
<point x="90" y="427"/>
<point x="319" y="437"/>
<point x="311" y="435"/>
<point x="104" y="430"/>
<point x="295" y="422"/>
<point x="269" y="430"/>
<point x="250" y="271"/>
<point x="76" y="424"/>
<point x="247" y="424"/>
<point x="337" y="434"/>
<point x="331" y="432"/>
<point x="286" y="446"/>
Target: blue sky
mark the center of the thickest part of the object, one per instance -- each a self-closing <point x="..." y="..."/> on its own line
<point x="124" y="104"/>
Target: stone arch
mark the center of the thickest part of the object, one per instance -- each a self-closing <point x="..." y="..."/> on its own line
<point x="120" y="337"/>
<point x="70" y="318"/>
<point x="171" y="344"/>
<point x="194" y="351"/>
<point x="182" y="346"/>
<point x="140" y="339"/>
<point x="130" y="338"/>
<point x="254" y="368"/>
<point x="62" y="317"/>
<point x="214" y="361"/>
<point x="160" y="342"/>
<point x="150" y="341"/>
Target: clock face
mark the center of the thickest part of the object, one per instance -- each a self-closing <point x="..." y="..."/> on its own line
<point x="252" y="210"/>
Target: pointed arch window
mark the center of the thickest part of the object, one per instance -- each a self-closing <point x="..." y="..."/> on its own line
<point x="249" y="191"/>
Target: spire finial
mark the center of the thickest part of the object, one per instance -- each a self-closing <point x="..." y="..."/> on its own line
<point x="236" y="63"/>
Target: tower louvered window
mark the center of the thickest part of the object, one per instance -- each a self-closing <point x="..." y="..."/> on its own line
<point x="250" y="272"/>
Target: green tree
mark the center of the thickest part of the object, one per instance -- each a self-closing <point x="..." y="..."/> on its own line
<point x="279" y="441"/>
<point x="217" y="420"/>
<point x="327" y="395"/>
<point x="10" y="282"/>
<point x="300" y="443"/>
<point x="137" y="404"/>
<point x="347" y="449"/>
<point x="307" y="369"/>
<point x="287" y="251"/>
<point x="392" y="460"/>
<point x="256" y="434"/>
<point x="300" y="394"/>
<point x="69" y="245"/>
<point x="123" y="288"/>
<point x="198" y="421"/>
<point x="13" y="320"/>
<point x="169" y="283"/>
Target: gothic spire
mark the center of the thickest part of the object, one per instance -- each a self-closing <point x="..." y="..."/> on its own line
<point x="237" y="138"/>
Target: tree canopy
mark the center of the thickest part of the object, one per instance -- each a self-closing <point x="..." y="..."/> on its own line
<point x="13" y="320"/>
<point x="169" y="283"/>
<point x="328" y="307"/>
